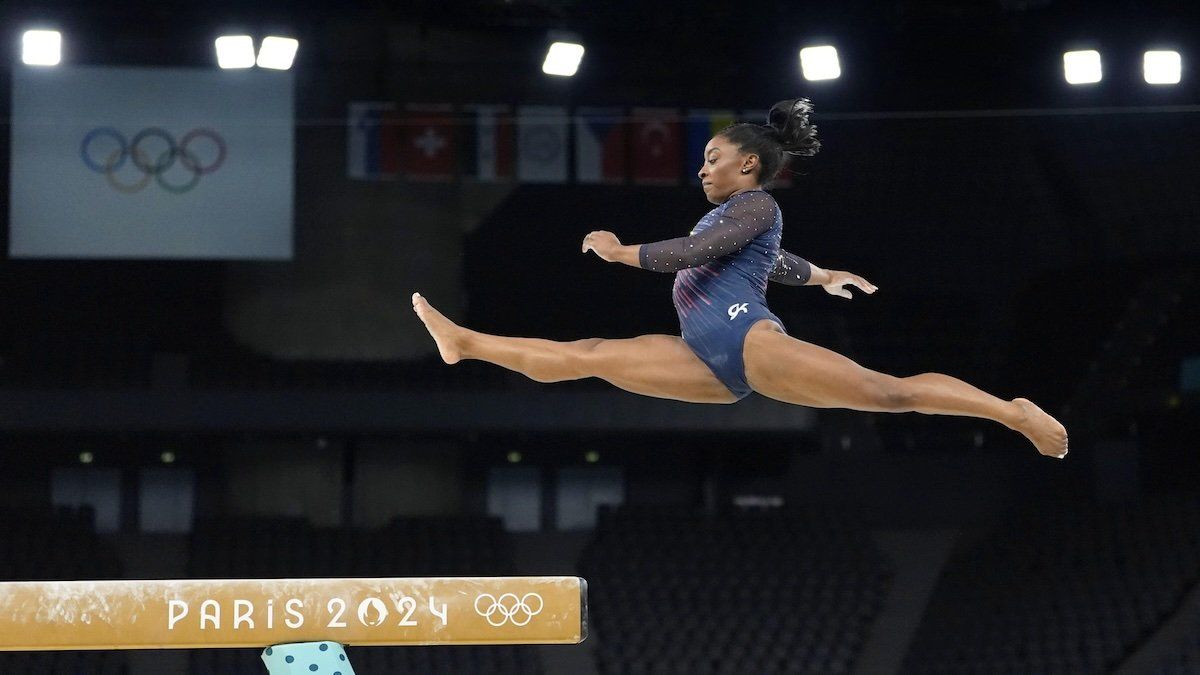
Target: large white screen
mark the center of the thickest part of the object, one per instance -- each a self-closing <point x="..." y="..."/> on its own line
<point x="210" y="175"/>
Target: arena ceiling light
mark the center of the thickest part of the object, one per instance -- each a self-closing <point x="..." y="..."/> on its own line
<point x="41" y="47"/>
<point x="277" y="53"/>
<point x="563" y="59"/>
<point x="1161" y="67"/>
<point x="820" y="63"/>
<point x="1082" y="67"/>
<point x="235" y="51"/>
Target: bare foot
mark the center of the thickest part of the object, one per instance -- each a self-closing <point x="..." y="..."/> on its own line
<point x="1045" y="432"/>
<point x="445" y="332"/>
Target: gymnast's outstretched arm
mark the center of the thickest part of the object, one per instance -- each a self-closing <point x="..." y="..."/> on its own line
<point x="792" y="270"/>
<point x="672" y="255"/>
<point x="752" y="214"/>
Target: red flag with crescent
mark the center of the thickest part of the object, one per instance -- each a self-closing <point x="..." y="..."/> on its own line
<point x="657" y="144"/>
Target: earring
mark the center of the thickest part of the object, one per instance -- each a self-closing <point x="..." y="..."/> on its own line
<point x="745" y="170"/>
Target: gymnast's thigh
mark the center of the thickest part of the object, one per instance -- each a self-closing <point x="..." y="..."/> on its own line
<point x="781" y="367"/>
<point x="662" y="366"/>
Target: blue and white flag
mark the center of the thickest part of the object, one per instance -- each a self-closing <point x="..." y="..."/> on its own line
<point x="368" y="157"/>
<point x="542" y="144"/>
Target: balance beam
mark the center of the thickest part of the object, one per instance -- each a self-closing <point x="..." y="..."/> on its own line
<point x="209" y="613"/>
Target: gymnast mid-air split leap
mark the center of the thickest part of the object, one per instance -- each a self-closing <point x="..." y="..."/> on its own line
<point x="731" y="343"/>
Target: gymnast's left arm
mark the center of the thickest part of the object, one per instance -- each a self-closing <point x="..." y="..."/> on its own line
<point x="792" y="270"/>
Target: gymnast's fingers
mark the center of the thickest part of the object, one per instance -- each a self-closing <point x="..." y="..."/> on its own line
<point x="863" y="285"/>
<point x="838" y="289"/>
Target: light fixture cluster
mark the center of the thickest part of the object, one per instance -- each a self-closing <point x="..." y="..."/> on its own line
<point x="565" y="53"/>
<point x="237" y="51"/>
<point x="1158" y="67"/>
<point x="44" y="48"/>
<point x="1079" y="67"/>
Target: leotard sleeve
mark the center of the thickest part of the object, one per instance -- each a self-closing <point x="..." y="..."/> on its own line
<point x="752" y="214"/>
<point x="791" y="270"/>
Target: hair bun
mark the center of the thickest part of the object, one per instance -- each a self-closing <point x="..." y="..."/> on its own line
<point x="789" y="119"/>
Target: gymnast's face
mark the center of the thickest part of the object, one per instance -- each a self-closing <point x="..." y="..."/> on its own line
<point x="726" y="170"/>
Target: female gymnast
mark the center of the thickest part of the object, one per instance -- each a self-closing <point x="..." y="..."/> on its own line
<point x="731" y="344"/>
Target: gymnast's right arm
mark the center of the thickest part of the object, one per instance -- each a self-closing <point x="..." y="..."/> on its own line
<point x="672" y="255"/>
<point x="752" y="214"/>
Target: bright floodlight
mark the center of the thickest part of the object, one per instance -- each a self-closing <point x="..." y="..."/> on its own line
<point x="1082" y="67"/>
<point x="41" y="47"/>
<point x="277" y="53"/>
<point x="1161" y="67"/>
<point x="563" y="59"/>
<point x="820" y="63"/>
<point x="235" y="51"/>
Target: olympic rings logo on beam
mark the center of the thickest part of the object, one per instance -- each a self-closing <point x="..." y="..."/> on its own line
<point x="132" y="151"/>
<point x="508" y="607"/>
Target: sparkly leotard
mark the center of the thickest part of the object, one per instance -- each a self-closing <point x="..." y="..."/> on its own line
<point x="721" y="274"/>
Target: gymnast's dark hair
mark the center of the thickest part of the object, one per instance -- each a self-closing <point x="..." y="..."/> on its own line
<point x="786" y="134"/>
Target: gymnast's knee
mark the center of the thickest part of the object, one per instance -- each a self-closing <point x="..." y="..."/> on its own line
<point x="584" y="357"/>
<point x="561" y="361"/>
<point x="892" y="394"/>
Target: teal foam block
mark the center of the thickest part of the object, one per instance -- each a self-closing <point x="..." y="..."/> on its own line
<point x="307" y="658"/>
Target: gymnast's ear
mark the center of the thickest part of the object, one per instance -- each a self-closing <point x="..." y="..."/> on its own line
<point x="749" y="163"/>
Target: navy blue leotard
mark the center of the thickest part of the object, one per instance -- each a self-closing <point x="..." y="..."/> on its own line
<point x="721" y="273"/>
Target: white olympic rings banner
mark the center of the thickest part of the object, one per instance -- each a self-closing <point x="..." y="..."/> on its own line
<point x="151" y="163"/>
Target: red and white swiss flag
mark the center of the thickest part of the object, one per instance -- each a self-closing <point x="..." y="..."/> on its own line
<point x="426" y="138"/>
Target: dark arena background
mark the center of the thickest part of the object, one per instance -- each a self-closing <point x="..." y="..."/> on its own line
<point x="210" y="367"/>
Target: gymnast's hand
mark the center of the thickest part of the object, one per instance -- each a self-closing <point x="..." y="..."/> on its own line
<point x="839" y="279"/>
<point x="604" y="244"/>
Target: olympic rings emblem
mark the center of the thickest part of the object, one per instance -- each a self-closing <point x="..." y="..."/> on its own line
<point x="508" y="607"/>
<point x="132" y="151"/>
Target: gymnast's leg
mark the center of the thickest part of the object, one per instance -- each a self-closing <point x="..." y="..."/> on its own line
<point x="651" y="365"/>
<point x="786" y="369"/>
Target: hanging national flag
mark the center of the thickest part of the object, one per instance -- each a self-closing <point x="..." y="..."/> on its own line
<point x="389" y="143"/>
<point x="426" y="138"/>
<point x="601" y="142"/>
<point x="367" y="156"/>
<point x="699" y="128"/>
<point x="488" y="143"/>
<point x="657" y="146"/>
<point x="542" y="144"/>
